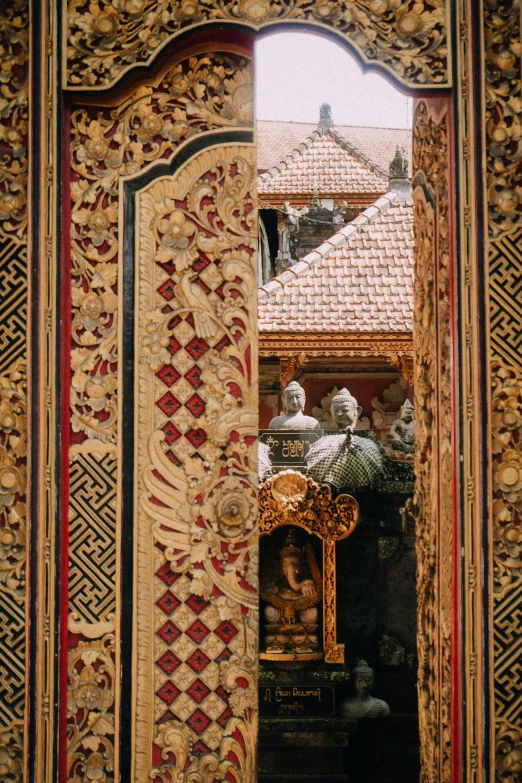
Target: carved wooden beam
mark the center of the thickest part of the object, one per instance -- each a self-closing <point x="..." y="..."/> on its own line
<point x="404" y="363"/>
<point x="290" y="366"/>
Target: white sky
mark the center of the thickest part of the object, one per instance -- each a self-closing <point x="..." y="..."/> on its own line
<point x="296" y="72"/>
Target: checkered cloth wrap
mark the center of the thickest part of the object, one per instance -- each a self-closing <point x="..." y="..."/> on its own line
<point x="329" y="461"/>
<point x="264" y="465"/>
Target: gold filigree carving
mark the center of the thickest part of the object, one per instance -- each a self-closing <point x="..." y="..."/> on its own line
<point x="193" y="96"/>
<point x="503" y="75"/>
<point x="506" y="419"/>
<point x="289" y="498"/>
<point x="90" y="735"/>
<point x="433" y="463"/>
<point x="13" y="563"/>
<point x="310" y="506"/>
<point x="383" y="344"/>
<point x="290" y="366"/>
<point x="405" y="37"/>
<point x="14" y="115"/>
<point x="108" y="144"/>
<point x="404" y="363"/>
<point x="11" y="752"/>
<point x="197" y="478"/>
<point x="508" y="751"/>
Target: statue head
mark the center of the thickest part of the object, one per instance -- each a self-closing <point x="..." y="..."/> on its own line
<point x="407" y="412"/>
<point x="345" y="410"/>
<point x="291" y="554"/>
<point x="362" y="678"/>
<point x="293" y="398"/>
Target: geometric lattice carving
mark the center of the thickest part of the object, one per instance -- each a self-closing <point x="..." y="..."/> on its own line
<point x="92" y="533"/>
<point x="505" y="296"/>
<point x="14" y="622"/>
<point x="13" y="299"/>
<point x="12" y="659"/>
<point x="508" y="656"/>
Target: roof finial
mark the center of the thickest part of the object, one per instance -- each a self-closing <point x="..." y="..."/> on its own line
<point x="399" y="183"/>
<point x="399" y="165"/>
<point x="325" y="116"/>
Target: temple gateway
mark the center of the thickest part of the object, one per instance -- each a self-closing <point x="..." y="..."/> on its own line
<point x="260" y="398"/>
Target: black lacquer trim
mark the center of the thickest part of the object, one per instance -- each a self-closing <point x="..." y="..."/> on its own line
<point x="128" y="370"/>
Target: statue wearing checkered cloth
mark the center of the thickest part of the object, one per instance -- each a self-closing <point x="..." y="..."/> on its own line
<point x="345" y="460"/>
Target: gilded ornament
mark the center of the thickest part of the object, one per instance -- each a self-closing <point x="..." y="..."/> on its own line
<point x="106" y="39"/>
<point x="503" y="116"/>
<point x="204" y="92"/>
<point x="433" y="466"/>
<point x="506" y="418"/>
<point x="14" y="42"/>
<point x="198" y="509"/>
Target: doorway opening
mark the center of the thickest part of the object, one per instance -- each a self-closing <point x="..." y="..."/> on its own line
<point x="337" y="419"/>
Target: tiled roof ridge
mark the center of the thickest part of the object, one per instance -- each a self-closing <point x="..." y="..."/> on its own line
<point x="351" y="149"/>
<point x="337" y="240"/>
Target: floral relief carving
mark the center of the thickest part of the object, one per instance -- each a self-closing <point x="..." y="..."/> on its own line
<point x="433" y="458"/>
<point x="107" y="37"/>
<point x="90" y="730"/>
<point x="503" y="115"/>
<point x="11" y="750"/>
<point x="13" y="480"/>
<point x="14" y="42"/>
<point x="197" y="476"/>
<point x="506" y="419"/>
<point x="191" y="97"/>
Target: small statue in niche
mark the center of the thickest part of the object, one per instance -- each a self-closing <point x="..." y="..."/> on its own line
<point x="403" y="434"/>
<point x="291" y="585"/>
<point x="345" y="460"/>
<point x="363" y="704"/>
<point x="293" y="417"/>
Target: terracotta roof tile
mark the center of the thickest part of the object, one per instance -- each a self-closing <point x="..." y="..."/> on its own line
<point x="364" y="283"/>
<point x="325" y="161"/>
<point x="276" y="140"/>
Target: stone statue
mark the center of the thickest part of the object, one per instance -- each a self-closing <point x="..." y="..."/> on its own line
<point x="345" y="460"/>
<point x="403" y="434"/>
<point x="363" y="704"/>
<point x="291" y="585"/>
<point x="293" y="417"/>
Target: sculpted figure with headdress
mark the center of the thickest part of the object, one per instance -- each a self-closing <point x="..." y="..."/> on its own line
<point x="292" y="588"/>
<point x="403" y="433"/>
<point x="345" y="460"/>
<point x="293" y="417"/>
<point x="364" y="705"/>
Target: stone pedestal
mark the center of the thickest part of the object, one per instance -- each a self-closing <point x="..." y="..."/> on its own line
<point x="303" y="750"/>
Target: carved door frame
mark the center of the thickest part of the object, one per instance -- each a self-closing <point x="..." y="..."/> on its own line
<point x="50" y="69"/>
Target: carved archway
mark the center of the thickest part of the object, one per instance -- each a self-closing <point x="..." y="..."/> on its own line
<point x="409" y="41"/>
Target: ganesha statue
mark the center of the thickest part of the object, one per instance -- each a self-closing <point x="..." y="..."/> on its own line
<point x="291" y="587"/>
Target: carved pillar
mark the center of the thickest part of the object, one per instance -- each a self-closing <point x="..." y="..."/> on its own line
<point x="433" y="463"/>
<point x="15" y="396"/>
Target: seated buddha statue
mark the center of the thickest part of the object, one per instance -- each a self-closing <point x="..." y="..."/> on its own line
<point x="292" y="589"/>
<point x="363" y="704"/>
<point x="345" y="460"/>
<point x="293" y="417"/>
<point x="403" y="433"/>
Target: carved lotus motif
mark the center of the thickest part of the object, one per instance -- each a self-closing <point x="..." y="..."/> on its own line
<point x="289" y="488"/>
<point x="254" y="10"/>
<point x="508" y="476"/>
